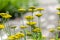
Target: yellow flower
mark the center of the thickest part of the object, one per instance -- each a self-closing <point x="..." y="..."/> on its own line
<point x="32" y="7"/>
<point x="1" y="26"/>
<point x="29" y="17"/>
<point x="5" y="15"/>
<point x="40" y="9"/>
<point x="43" y="36"/>
<point x="8" y="16"/>
<point x="52" y="39"/>
<point x="58" y="13"/>
<point x="58" y="28"/>
<point x="22" y="34"/>
<point x="31" y="23"/>
<point x="22" y="27"/>
<point x="12" y="37"/>
<point x="2" y="14"/>
<point x="58" y="8"/>
<point x="38" y="15"/>
<point x="21" y="10"/>
<point x="19" y="35"/>
<point x="30" y="10"/>
<point x="36" y="30"/>
<point x="51" y="30"/>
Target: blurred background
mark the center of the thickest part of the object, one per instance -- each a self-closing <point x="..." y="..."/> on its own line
<point x="48" y="20"/>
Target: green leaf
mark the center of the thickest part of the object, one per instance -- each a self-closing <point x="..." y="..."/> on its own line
<point x="56" y="36"/>
<point x="3" y="3"/>
<point x="40" y="36"/>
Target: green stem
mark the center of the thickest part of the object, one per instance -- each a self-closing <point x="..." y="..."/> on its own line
<point x="32" y="14"/>
<point x="9" y="28"/>
<point x="33" y="36"/>
<point x="39" y="22"/>
<point x="22" y="18"/>
<point x="40" y="36"/>
<point x="14" y="30"/>
<point x="30" y="26"/>
<point x="25" y="35"/>
<point x="56" y="36"/>
<point x="36" y="36"/>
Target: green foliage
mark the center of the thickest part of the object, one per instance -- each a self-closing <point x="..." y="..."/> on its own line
<point x="56" y="38"/>
<point x="14" y="3"/>
<point x="12" y="6"/>
<point x="3" y="3"/>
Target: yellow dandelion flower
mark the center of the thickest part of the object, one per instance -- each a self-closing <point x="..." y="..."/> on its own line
<point x="2" y="14"/>
<point x="12" y="37"/>
<point x="22" y="27"/>
<point x="32" y="7"/>
<point x="22" y="34"/>
<point x="58" y="8"/>
<point x="39" y="15"/>
<point x="58" y="28"/>
<point x="19" y="35"/>
<point x="36" y="30"/>
<point x="30" y="10"/>
<point x="31" y="23"/>
<point x="51" y="30"/>
<point x="40" y="9"/>
<point x="6" y="16"/>
<point x="58" y="13"/>
<point x="21" y="10"/>
<point x="29" y="17"/>
<point x="1" y="26"/>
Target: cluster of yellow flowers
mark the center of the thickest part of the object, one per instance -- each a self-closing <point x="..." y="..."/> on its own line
<point x="5" y="15"/>
<point x="16" y="36"/>
<point x="39" y="15"/>
<point x="29" y="23"/>
<point x="31" y="9"/>
<point x="30" y="18"/>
